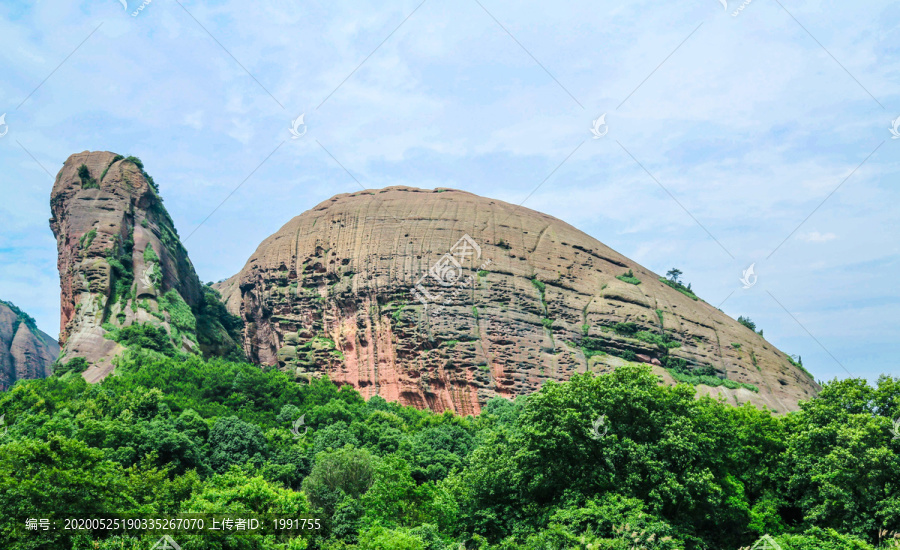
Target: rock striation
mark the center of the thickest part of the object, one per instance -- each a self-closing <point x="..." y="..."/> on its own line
<point x="444" y="299"/>
<point x="25" y="351"/>
<point x="124" y="274"/>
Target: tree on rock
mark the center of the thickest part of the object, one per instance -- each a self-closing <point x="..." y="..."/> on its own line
<point x="674" y="275"/>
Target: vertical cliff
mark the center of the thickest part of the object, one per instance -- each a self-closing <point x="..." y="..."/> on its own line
<point x="25" y="351"/>
<point x="125" y="277"/>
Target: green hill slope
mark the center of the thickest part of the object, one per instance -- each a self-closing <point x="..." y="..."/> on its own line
<point x="169" y="436"/>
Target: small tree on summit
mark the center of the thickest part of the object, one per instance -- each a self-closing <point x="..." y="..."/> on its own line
<point x="674" y="274"/>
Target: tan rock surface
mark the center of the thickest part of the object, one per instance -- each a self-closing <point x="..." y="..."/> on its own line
<point x="115" y="217"/>
<point x="331" y="292"/>
<point x="25" y="351"/>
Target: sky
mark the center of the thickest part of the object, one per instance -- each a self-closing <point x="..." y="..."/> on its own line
<point x="751" y="133"/>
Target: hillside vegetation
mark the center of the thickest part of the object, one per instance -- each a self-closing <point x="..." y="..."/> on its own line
<point x="169" y="435"/>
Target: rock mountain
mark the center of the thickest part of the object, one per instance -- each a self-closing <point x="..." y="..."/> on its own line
<point x="435" y="298"/>
<point x="124" y="275"/>
<point x="444" y="299"/>
<point x="25" y="351"/>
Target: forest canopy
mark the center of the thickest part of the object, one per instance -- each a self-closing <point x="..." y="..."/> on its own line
<point x="179" y="435"/>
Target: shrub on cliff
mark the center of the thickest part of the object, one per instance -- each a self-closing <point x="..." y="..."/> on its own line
<point x="87" y="182"/>
<point x="142" y="336"/>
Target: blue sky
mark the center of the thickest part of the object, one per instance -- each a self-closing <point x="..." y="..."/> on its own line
<point x="727" y="134"/>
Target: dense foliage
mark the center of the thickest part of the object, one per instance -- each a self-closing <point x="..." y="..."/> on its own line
<point x="664" y="470"/>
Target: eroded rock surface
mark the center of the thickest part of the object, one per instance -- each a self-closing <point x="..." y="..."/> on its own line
<point x="121" y="264"/>
<point x="507" y="299"/>
<point x="25" y="351"/>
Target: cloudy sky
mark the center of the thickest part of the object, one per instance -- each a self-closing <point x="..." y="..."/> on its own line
<point x="754" y="133"/>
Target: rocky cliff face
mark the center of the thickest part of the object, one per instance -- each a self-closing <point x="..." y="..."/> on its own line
<point x="443" y="299"/>
<point x="25" y="351"/>
<point x="124" y="274"/>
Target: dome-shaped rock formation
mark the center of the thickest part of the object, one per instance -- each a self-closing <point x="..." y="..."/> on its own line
<point x="444" y="299"/>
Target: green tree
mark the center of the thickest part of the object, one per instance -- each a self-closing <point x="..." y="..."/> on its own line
<point x="235" y="442"/>
<point x="54" y="479"/>
<point x="841" y="461"/>
<point x="674" y="275"/>
<point x="345" y="472"/>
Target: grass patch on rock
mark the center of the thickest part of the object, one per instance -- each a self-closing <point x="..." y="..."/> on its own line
<point x="629" y="278"/>
<point x="686" y="290"/>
